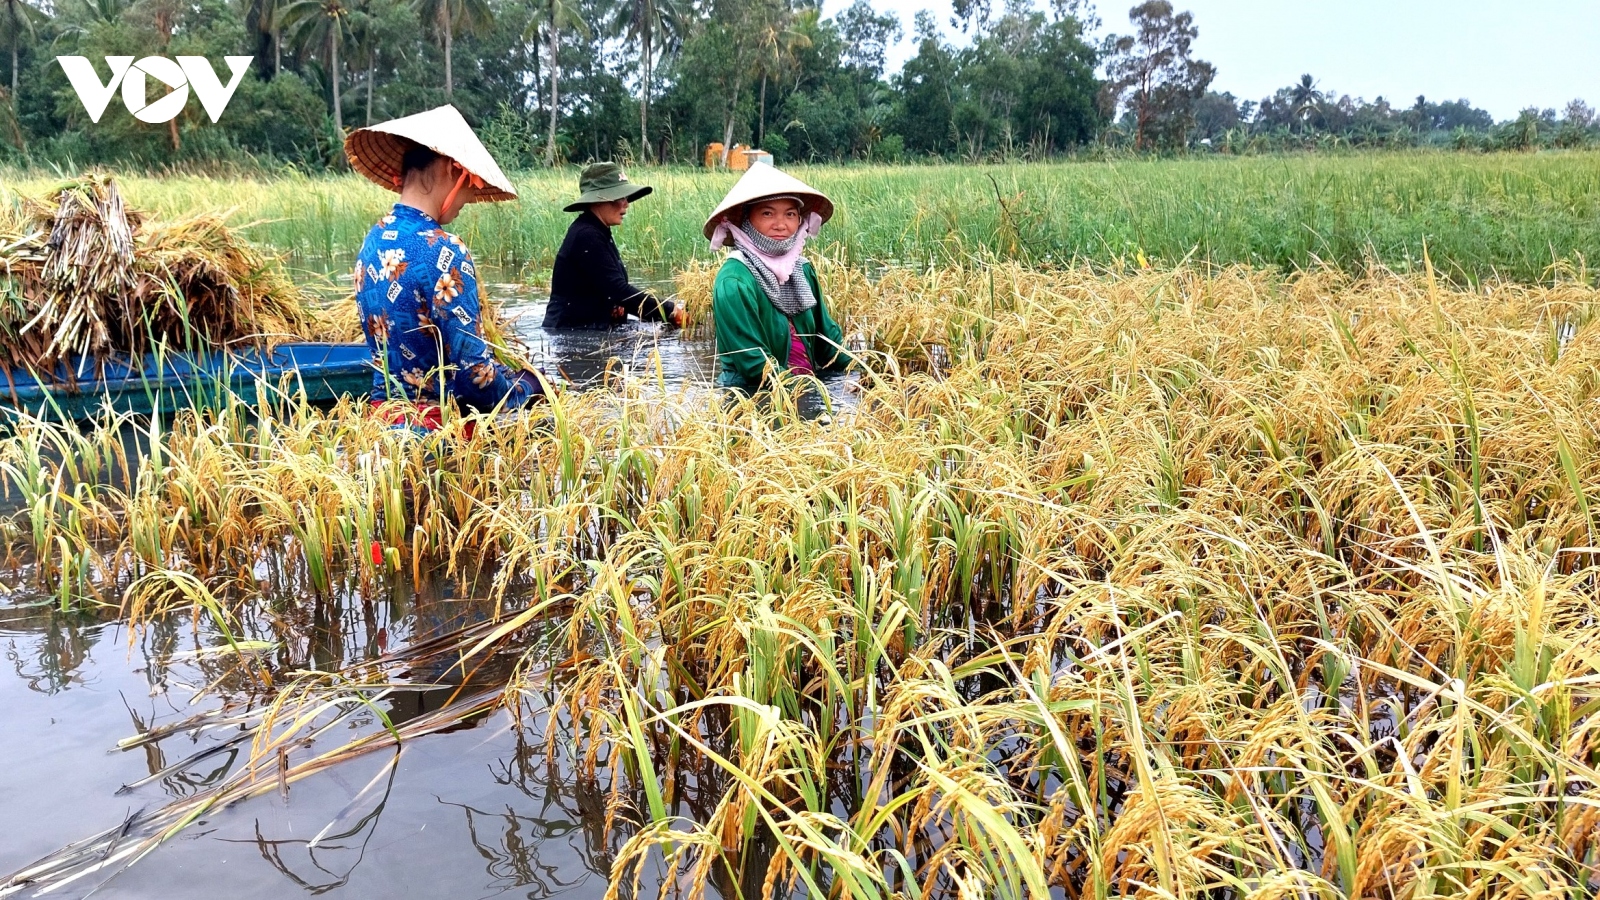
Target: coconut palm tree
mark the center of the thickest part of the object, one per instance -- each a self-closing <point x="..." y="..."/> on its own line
<point x="1306" y="97"/>
<point x="269" y="21"/>
<point x="364" y="35"/>
<point x="777" y="41"/>
<point x="20" y="16"/>
<point x="645" y="21"/>
<point x="446" y="17"/>
<point x="311" y="24"/>
<point x="556" y="16"/>
<point x="90" y="14"/>
<point x="167" y="16"/>
<point x="259" y="15"/>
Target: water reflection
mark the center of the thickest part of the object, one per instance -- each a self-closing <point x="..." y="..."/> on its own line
<point x="46" y="647"/>
<point x="406" y="634"/>
<point x="517" y="844"/>
<point x="285" y="627"/>
<point x="514" y="853"/>
<point x="327" y="861"/>
<point x="585" y="359"/>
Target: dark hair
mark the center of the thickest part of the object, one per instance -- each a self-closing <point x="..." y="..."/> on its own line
<point x="745" y="210"/>
<point x="417" y="158"/>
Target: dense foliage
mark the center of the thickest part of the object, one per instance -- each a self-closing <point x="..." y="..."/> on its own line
<point x="605" y="79"/>
<point x="550" y="81"/>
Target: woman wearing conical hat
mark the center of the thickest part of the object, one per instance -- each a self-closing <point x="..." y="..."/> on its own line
<point x="589" y="285"/>
<point x="766" y="300"/>
<point x="416" y="287"/>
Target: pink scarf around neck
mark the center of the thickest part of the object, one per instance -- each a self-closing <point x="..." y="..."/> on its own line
<point x="782" y="266"/>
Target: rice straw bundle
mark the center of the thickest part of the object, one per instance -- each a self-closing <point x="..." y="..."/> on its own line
<point x="227" y="287"/>
<point x="83" y="278"/>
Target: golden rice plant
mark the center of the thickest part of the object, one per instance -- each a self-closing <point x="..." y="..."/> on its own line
<point x="1163" y="583"/>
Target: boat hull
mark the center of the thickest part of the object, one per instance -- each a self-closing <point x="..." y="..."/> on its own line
<point x="322" y="372"/>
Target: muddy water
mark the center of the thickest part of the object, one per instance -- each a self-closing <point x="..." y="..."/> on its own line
<point x="475" y="811"/>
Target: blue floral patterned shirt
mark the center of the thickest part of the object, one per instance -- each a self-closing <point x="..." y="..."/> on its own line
<point x="417" y="293"/>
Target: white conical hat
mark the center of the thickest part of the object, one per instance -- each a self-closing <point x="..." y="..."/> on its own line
<point x="763" y="180"/>
<point x="376" y="151"/>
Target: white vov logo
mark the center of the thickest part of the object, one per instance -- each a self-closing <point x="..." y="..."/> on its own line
<point x="187" y="72"/>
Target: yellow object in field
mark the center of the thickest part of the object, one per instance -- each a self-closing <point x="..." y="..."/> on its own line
<point x="739" y="158"/>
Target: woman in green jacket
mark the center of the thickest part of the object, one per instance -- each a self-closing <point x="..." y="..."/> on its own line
<point x="766" y="300"/>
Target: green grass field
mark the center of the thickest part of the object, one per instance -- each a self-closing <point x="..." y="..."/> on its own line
<point x="1479" y="216"/>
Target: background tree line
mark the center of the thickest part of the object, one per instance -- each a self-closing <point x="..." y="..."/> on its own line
<point x="1304" y="116"/>
<point x="551" y="81"/>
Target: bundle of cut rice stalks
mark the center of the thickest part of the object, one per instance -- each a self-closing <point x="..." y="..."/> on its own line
<point x="85" y="278"/>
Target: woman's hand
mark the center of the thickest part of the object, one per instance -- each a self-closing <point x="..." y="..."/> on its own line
<point x="679" y="317"/>
<point x="534" y="381"/>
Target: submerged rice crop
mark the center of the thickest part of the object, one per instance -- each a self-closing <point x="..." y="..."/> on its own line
<point x="1168" y="583"/>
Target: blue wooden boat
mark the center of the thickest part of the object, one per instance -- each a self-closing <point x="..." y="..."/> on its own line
<point x="190" y="380"/>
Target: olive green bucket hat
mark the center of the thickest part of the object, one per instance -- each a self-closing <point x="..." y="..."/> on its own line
<point x="603" y="182"/>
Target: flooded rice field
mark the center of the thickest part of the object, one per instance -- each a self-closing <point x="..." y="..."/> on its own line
<point x="108" y="723"/>
<point x="1190" y="583"/>
<point x="584" y="358"/>
<point x="474" y="811"/>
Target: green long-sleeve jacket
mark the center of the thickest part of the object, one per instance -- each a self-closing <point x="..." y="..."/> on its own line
<point x="752" y="334"/>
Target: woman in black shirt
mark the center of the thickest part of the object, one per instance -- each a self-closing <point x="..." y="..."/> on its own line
<point x="589" y="287"/>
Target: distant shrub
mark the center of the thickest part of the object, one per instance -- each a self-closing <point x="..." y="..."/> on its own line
<point x="891" y="149"/>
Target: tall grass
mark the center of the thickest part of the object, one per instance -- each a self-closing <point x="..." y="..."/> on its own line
<point x="1479" y="216"/>
<point x="1174" y="583"/>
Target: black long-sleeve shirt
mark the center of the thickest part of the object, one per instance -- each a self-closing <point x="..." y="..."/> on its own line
<point x="589" y="281"/>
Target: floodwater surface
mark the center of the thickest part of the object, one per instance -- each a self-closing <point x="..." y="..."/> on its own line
<point x="473" y="811"/>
